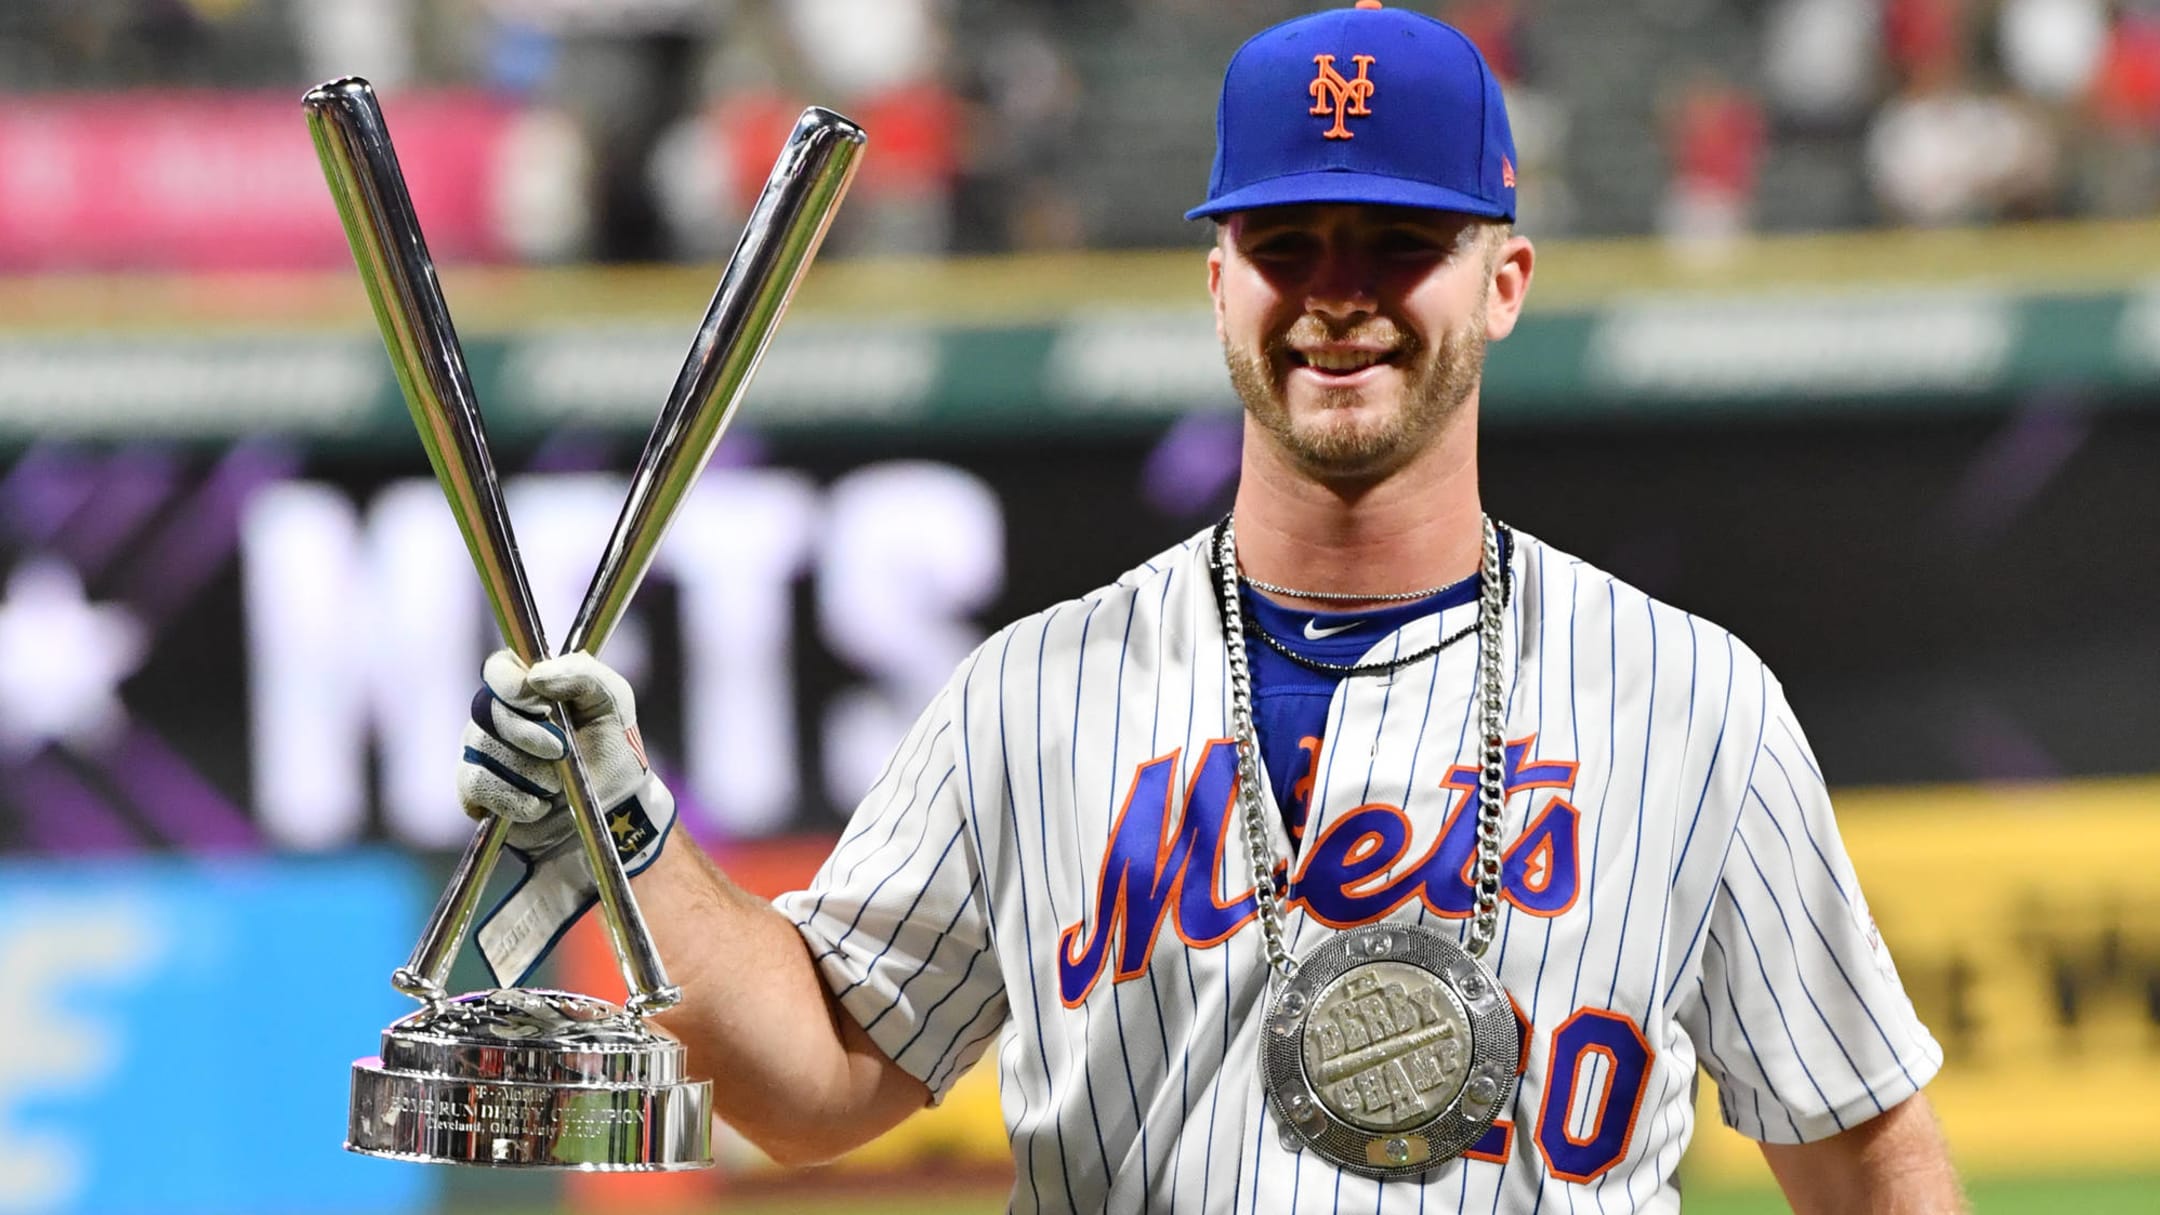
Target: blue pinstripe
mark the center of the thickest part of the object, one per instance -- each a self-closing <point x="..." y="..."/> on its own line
<point x="902" y="756"/>
<point x="1648" y="1019"/>
<point x="1783" y="1022"/>
<point x="1154" y="980"/>
<point x="905" y="917"/>
<point x="1702" y="796"/>
<point x="1507" y="923"/>
<point x="1387" y="698"/>
<point x="1792" y="945"/>
<point x="1635" y="868"/>
<point x="929" y="1016"/>
<point x="1012" y="809"/>
<point x="1050" y="885"/>
<point x="1087" y="1009"/>
<point x="1192" y="980"/>
<point x="1792" y="862"/>
<point x="956" y="1050"/>
<point x="1740" y="1023"/>
<point x="1798" y="809"/>
<point x="1728" y="1093"/>
<point x="990" y="910"/>
<point x="900" y="990"/>
<point x="1597" y="837"/>
<point x="1117" y="990"/>
<point x="865" y="905"/>
<point x="1432" y="685"/>
<point x="1687" y="738"/>
<point x="1725" y="1091"/>
<point x="1322" y="785"/>
<point x="1754" y="762"/>
<point x="1537" y="986"/>
<point x="1800" y="749"/>
<point x="898" y="811"/>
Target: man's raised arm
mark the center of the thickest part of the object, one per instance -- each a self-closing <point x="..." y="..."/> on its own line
<point x="791" y="1070"/>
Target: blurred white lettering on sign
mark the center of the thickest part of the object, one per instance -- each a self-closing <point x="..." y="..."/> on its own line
<point x="2138" y="336"/>
<point x="910" y="551"/>
<point x="609" y="373"/>
<point x="134" y="387"/>
<point x="48" y="949"/>
<point x="1855" y="341"/>
<point x="365" y="630"/>
<point x="353" y="621"/>
<point x="1150" y="362"/>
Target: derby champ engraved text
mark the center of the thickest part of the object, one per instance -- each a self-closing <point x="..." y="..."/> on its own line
<point x="514" y="1112"/>
<point x="1386" y="1047"/>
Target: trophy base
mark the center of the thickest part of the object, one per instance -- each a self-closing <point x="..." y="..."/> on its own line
<point x="521" y="1078"/>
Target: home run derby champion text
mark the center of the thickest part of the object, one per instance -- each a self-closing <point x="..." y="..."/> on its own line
<point x="1360" y="853"/>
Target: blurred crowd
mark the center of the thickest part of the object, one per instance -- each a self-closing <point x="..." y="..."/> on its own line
<point x="1952" y="111"/>
<point x="646" y="126"/>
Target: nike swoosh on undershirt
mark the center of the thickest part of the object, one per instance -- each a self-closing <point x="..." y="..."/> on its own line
<point x="1315" y="634"/>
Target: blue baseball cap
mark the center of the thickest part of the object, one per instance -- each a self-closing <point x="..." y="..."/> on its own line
<point x="1361" y="105"/>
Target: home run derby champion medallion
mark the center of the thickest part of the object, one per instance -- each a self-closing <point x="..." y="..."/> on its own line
<point x="1390" y="1048"/>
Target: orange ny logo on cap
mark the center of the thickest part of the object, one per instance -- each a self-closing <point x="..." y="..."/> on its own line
<point x="1345" y="97"/>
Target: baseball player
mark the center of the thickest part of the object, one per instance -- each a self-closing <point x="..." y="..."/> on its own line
<point x="1360" y="853"/>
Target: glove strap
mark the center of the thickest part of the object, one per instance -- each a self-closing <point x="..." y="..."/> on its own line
<point x="558" y="885"/>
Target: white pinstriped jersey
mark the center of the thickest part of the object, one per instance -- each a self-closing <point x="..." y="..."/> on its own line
<point x="1051" y="862"/>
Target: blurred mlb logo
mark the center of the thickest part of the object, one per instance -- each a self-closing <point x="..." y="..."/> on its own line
<point x="178" y="1033"/>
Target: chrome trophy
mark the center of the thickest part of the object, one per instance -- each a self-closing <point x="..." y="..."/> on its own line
<point x="518" y="1077"/>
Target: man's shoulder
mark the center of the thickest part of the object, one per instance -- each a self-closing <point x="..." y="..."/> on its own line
<point x="1179" y="565"/>
<point x="1071" y="624"/>
<point x="1634" y="623"/>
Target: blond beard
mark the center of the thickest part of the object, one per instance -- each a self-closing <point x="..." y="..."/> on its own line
<point x="1434" y="392"/>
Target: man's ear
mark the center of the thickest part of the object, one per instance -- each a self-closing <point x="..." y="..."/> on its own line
<point x="1508" y="286"/>
<point x="1214" y="283"/>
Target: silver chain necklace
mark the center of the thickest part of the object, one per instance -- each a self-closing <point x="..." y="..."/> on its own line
<point x="1403" y="1101"/>
<point x="1340" y="596"/>
<point x="1346" y="669"/>
<point x="1383" y="667"/>
<point x="1491" y="723"/>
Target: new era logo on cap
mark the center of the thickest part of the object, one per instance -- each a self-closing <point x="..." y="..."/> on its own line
<point x="1416" y="120"/>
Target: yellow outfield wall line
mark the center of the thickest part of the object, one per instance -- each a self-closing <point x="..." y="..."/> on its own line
<point x="1024" y="288"/>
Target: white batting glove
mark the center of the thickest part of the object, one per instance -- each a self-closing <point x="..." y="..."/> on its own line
<point x="511" y="749"/>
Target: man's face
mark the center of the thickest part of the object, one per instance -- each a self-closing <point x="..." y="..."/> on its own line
<point x="1353" y="333"/>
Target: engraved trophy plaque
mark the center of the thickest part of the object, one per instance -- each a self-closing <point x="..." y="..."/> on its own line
<point x="518" y="1077"/>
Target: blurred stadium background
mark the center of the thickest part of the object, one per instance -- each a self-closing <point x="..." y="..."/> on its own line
<point x="1846" y="334"/>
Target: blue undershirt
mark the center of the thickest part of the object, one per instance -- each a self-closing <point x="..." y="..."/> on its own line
<point x="1290" y="701"/>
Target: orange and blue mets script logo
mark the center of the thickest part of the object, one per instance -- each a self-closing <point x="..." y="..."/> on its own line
<point x="1345" y="98"/>
<point x="1165" y="857"/>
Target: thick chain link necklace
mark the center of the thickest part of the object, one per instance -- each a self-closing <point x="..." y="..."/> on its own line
<point x="1390" y="1048"/>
